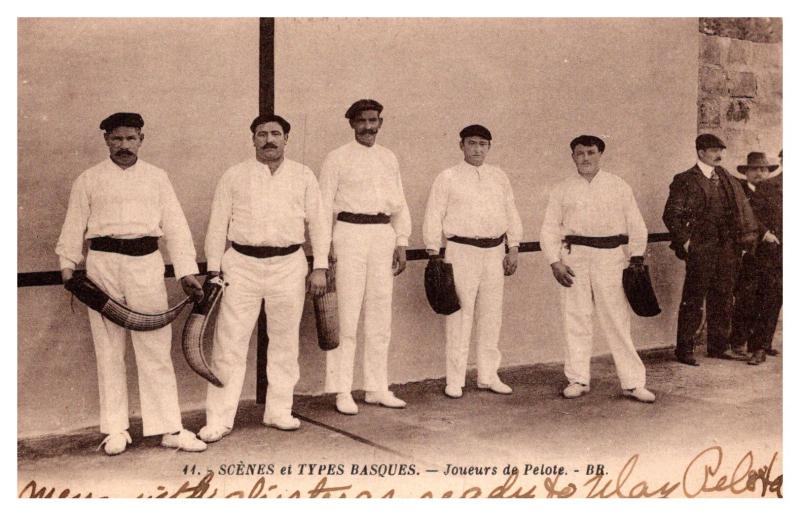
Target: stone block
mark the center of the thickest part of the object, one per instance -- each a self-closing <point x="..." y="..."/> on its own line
<point x="709" y="26"/>
<point x="710" y="51"/>
<point x="771" y="85"/>
<point x="739" y="143"/>
<point x="742" y="84"/>
<point x="708" y="115"/>
<point x="738" y="110"/>
<point x="767" y="114"/>
<point x="763" y="30"/>
<point x="767" y="56"/>
<point x="739" y="52"/>
<point x="713" y="81"/>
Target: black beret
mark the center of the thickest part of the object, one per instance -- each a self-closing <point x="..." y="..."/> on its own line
<point x="588" y="141"/>
<point x="475" y="130"/>
<point x="706" y="141"/>
<point x="122" y="120"/>
<point x="365" y="104"/>
<point x="266" y="118"/>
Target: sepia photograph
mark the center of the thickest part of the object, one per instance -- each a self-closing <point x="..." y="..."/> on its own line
<point x="395" y="257"/>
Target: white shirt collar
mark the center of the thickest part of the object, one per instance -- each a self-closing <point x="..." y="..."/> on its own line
<point x="118" y="168"/>
<point x="707" y="170"/>
<point x="598" y="175"/>
<point x="464" y="165"/>
<point x="265" y="167"/>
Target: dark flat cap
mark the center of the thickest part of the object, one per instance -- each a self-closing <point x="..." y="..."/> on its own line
<point x="475" y="130"/>
<point x="266" y="118"/>
<point x="706" y="141"/>
<point x="588" y="140"/>
<point x="122" y="120"/>
<point x="365" y="104"/>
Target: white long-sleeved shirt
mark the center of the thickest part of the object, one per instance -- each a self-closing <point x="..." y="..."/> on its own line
<point x="604" y="207"/>
<point x="366" y="180"/>
<point x="253" y="206"/>
<point x="471" y="202"/>
<point x="139" y="201"/>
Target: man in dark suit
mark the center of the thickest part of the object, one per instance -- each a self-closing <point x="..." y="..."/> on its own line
<point x="759" y="290"/>
<point x="710" y="223"/>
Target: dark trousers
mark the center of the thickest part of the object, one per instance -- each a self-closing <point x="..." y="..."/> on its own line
<point x="759" y="297"/>
<point x="711" y="270"/>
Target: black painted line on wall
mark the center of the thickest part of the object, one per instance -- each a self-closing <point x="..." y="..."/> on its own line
<point x="52" y="278"/>
<point x="266" y="66"/>
<point x="266" y="105"/>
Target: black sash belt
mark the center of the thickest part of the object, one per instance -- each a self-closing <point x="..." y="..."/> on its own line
<point x="484" y="243"/>
<point x="132" y="247"/>
<point x="264" y="252"/>
<point x="360" y="218"/>
<point x="597" y="242"/>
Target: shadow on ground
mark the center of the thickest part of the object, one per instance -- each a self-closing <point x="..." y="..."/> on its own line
<point x="723" y="403"/>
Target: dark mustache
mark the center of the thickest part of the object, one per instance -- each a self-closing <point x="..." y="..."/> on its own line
<point x="367" y="131"/>
<point x="124" y="152"/>
<point x="269" y="145"/>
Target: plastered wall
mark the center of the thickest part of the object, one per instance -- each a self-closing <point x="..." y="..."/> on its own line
<point x="534" y="83"/>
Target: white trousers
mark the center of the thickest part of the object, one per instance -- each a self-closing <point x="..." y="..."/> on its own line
<point x="363" y="277"/>
<point x="280" y="281"/>
<point x="598" y="284"/>
<point x="478" y="275"/>
<point x="138" y="281"/>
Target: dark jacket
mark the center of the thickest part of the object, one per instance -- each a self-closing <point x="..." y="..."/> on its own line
<point x="767" y="205"/>
<point x="686" y="206"/>
<point x="748" y="194"/>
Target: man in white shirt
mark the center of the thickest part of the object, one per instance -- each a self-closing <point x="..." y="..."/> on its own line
<point x="588" y="217"/>
<point x="261" y="206"/>
<point x="122" y="206"/>
<point x="361" y="185"/>
<point x="472" y="204"/>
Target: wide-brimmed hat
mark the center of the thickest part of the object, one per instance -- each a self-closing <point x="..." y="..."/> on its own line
<point x="757" y="160"/>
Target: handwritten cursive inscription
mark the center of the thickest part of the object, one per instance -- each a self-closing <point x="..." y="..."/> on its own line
<point x="706" y="474"/>
<point x="602" y="488"/>
<point x="32" y="491"/>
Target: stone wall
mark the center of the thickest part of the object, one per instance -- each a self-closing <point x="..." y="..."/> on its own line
<point x="740" y="85"/>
